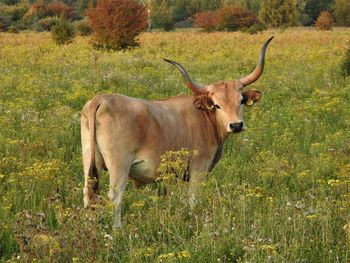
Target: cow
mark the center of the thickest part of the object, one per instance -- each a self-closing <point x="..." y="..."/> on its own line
<point x="126" y="136"/>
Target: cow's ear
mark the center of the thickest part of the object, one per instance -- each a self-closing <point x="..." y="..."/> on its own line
<point x="251" y="96"/>
<point x="203" y="102"/>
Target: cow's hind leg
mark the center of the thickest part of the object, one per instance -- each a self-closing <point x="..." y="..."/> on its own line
<point x="89" y="181"/>
<point x="98" y="164"/>
<point x="119" y="173"/>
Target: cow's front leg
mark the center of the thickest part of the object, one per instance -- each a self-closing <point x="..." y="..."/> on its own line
<point x="196" y="182"/>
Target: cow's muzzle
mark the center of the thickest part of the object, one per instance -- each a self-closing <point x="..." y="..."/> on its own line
<point x="236" y="126"/>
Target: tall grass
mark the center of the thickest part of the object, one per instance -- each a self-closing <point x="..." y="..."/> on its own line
<point x="279" y="194"/>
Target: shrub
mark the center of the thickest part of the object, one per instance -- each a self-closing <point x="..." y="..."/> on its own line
<point x="83" y="28"/>
<point x="233" y="18"/>
<point x="13" y="29"/>
<point x="46" y="24"/>
<point x="14" y="12"/>
<point x="5" y="22"/>
<point x="116" y="23"/>
<point x="63" y="32"/>
<point x="324" y="21"/>
<point x="37" y="10"/>
<point x="345" y="66"/>
<point x="187" y="23"/>
<point x="255" y="29"/>
<point x="206" y="20"/>
<point x="230" y="18"/>
<point x="59" y="9"/>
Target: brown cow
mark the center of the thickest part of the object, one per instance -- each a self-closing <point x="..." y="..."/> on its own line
<point x="127" y="136"/>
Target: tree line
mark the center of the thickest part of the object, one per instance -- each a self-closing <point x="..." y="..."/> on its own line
<point x="41" y="15"/>
<point x="276" y="13"/>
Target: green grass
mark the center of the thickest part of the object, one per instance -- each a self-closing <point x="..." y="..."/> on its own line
<point x="279" y="194"/>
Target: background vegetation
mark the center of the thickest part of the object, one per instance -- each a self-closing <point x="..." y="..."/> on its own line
<point x="280" y="193"/>
<point x="41" y="15"/>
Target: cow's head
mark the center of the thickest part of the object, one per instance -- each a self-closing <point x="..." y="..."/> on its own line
<point x="226" y="98"/>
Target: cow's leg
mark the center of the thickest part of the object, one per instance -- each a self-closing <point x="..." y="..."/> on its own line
<point x="88" y="180"/>
<point x="119" y="173"/>
<point x="85" y="139"/>
<point x="198" y="175"/>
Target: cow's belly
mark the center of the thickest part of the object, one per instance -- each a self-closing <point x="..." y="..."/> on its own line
<point x="143" y="171"/>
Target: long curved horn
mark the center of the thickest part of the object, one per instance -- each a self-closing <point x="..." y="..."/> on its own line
<point x="199" y="89"/>
<point x="259" y="68"/>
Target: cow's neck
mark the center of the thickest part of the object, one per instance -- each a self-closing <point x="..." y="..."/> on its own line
<point x="219" y="135"/>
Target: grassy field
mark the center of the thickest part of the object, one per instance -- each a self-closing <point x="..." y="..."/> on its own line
<point x="281" y="192"/>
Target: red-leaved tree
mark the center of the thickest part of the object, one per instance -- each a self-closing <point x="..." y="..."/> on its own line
<point x="57" y="8"/>
<point x="230" y="18"/>
<point x="116" y="23"/>
<point x="206" y="20"/>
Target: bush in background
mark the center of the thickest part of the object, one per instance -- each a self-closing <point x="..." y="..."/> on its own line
<point x="162" y="15"/>
<point x="254" y="29"/>
<point x="10" y="15"/>
<point x="341" y="12"/>
<point x="324" y="21"/>
<point x="116" y="23"/>
<point x="83" y="28"/>
<point x="5" y="22"/>
<point x="59" y="9"/>
<point x="13" y="29"/>
<point x="228" y="18"/>
<point x="63" y="32"/>
<point x="46" y="24"/>
<point x="232" y="18"/>
<point x="206" y="20"/>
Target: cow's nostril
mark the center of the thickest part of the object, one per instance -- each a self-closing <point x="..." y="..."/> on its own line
<point x="236" y="126"/>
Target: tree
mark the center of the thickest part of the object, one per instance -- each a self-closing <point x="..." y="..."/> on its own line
<point x="313" y="8"/>
<point x="342" y="12"/>
<point x="162" y="14"/>
<point x="197" y="6"/>
<point x="279" y="12"/>
<point x="250" y="5"/>
<point x="116" y="23"/>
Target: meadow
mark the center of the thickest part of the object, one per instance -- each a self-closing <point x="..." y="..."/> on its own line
<point x="281" y="192"/>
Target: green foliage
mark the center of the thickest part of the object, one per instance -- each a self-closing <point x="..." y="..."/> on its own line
<point x="251" y="5"/>
<point x="162" y="15"/>
<point x="342" y="12"/>
<point x="63" y="32"/>
<point x="254" y="29"/>
<point x="313" y="8"/>
<point x="280" y="191"/>
<point x="5" y="22"/>
<point x="279" y="12"/>
<point x="13" y="29"/>
<point x="11" y="15"/>
<point x="46" y="24"/>
<point x="83" y="28"/>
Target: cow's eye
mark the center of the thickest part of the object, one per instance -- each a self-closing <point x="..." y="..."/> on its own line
<point x="217" y="106"/>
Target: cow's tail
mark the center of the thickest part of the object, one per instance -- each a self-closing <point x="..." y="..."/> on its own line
<point x="93" y="172"/>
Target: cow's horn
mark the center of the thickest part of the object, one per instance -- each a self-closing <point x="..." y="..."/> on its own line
<point x="188" y="81"/>
<point x="259" y="68"/>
